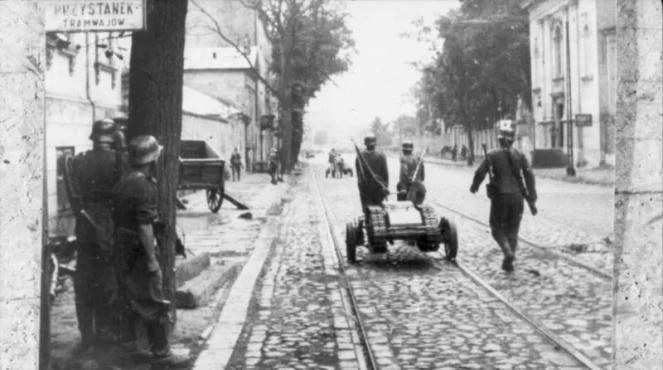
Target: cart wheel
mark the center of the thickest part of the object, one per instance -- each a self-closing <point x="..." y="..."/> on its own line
<point x="215" y="199"/>
<point x="351" y="242"/>
<point x="449" y="238"/>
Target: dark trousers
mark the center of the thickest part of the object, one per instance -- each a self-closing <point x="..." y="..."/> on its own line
<point x="506" y="212"/>
<point x="144" y="294"/>
<point x="236" y="169"/>
<point x="95" y="293"/>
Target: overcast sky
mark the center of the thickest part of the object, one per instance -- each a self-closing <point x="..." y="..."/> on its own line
<point x="379" y="80"/>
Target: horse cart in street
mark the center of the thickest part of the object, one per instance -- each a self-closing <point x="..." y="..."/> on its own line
<point x="202" y="168"/>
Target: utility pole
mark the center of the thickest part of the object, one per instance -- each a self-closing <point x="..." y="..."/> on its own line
<point x="570" y="169"/>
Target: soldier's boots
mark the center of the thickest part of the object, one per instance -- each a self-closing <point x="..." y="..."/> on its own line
<point x="509" y="256"/>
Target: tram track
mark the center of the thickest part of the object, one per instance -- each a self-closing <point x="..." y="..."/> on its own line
<point x="595" y="271"/>
<point x="371" y="362"/>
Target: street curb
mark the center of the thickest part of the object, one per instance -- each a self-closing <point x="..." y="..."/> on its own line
<point x="198" y="291"/>
<point x="190" y="268"/>
<point x="228" y="328"/>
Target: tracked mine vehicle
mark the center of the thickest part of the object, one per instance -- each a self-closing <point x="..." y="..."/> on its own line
<point x="401" y="220"/>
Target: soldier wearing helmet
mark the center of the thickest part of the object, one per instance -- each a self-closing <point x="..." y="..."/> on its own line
<point x="509" y="167"/>
<point x="94" y="174"/>
<point x="408" y="168"/>
<point x="135" y="215"/>
<point x="372" y="174"/>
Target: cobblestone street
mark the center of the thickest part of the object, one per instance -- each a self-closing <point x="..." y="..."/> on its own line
<point x="417" y="311"/>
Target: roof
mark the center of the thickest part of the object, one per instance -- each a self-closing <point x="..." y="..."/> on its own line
<point x="218" y="58"/>
<point x="201" y="104"/>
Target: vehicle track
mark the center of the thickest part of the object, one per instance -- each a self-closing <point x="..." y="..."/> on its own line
<point x="330" y="220"/>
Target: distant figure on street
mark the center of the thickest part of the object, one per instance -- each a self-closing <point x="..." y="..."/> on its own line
<point x="236" y="164"/>
<point x="135" y="216"/>
<point x="94" y="176"/>
<point x="463" y="152"/>
<point x="407" y="187"/>
<point x="454" y="152"/>
<point x="331" y="170"/>
<point x="506" y="190"/>
<point x="372" y="174"/>
<point x="274" y="165"/>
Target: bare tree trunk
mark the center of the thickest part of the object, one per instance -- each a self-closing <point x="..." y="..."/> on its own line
<point x="285" y="104"/>
<point x="155" y="108"/>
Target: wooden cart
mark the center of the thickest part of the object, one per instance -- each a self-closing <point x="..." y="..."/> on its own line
<point x="202" y="168"/>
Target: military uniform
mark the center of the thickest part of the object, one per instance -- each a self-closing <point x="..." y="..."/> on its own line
<point x="95" y="174"/>
<point x="506" y="208"/>
<point x="136" y="205"/>
<point x="408" y="166"/>
<point x="372" y="192"/>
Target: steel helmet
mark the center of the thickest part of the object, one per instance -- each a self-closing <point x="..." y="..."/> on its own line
<point x="103" y="130"/>
<point x="370" y="140"/>
<point x="506" y="129"/>
<point x="407" y="146"/>
<point x="144" y="149"/>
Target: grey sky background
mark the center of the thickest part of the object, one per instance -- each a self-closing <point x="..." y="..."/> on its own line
<point x="381" y="76"/>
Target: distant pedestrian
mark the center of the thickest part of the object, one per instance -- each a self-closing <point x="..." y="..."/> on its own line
<point x="463" y="152"/>
<point x="249" y="160"/>
<point x="135" y="216"/>
<point x="274" y="165"/>
<point x="236" y="164"/>
<point x="454" y="152"/>
<point x="94" y="175"/>
<point x="506" y="191"/>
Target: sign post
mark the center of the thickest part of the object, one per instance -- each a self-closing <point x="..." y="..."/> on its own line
<point x="93" y="15"/>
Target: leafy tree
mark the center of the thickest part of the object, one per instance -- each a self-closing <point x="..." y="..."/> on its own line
<point x="155" y="108"/>
<point x="405" y="125"/>
<point x="307" y="38"/>
<point x="483" y="67"/>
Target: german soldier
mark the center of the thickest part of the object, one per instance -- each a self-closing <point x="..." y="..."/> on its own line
<point x="406" y="186"/>
<point x="373" y="181"/>
<point x="135" y="216"/>
<point x="506" y="190"/>
<point x="94" y="175"/>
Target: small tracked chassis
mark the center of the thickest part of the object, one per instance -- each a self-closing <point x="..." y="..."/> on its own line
<point x="401" y="220"/>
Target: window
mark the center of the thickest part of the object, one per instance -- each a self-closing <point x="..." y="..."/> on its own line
<point x="61" y="154"/>
<point x="557" y="51"/>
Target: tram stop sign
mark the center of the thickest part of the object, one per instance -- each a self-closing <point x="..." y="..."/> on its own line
<point x="93" y="15"/>
<point x="583" y="120"/>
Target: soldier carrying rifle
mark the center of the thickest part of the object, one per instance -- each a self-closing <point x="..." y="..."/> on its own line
<point x="410" y="185"/>
<point x="507" y="168"/>
<point x="91" y="182"/>
<point x="372" y="174"/>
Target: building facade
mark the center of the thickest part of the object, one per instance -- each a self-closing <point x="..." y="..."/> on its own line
<point x="83" y="84"/>
<point x="217" y="123"/>
<point x="208" y="55"/>
<point x="573" y="69"/>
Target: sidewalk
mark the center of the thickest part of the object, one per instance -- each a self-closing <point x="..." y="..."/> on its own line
<point x="602" y="175"/>
<point x="227" y="238"/>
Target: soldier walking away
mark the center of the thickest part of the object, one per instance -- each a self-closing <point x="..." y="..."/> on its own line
<point x="372" y="174"/>
<point x="409" y="183"/>
<point x="236" y="164"/>
<point x="135" y="215"/>
<point x="94" y="175"/>
<point x="507" y="167"/>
